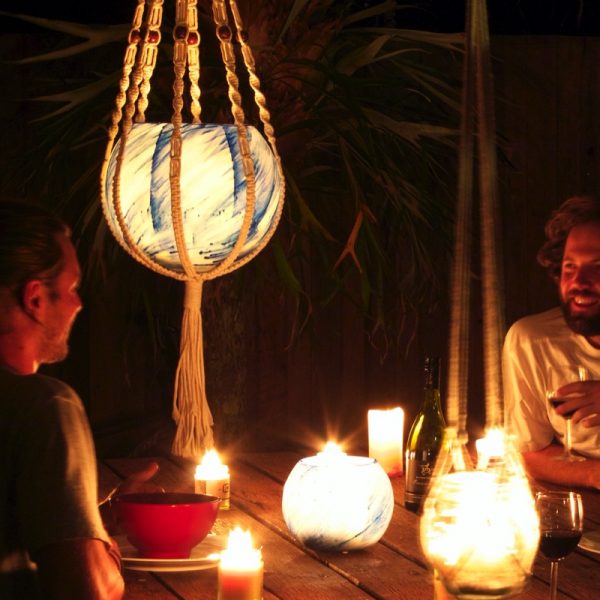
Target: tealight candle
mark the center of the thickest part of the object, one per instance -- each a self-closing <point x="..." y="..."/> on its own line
<point x="212" y="478"/>
<point x="386" y="429"/>
<point x="240" y="568"/>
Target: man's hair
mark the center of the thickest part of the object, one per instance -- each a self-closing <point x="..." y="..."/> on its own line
<point x="577" y="210"/>
<point x="29" y="245"/>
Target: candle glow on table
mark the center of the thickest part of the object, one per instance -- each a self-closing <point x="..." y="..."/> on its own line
<point x="386" y="430"/>
<point x="212" y="478"/>
<point x="479" y="528"/>
<point x="333" y="501"/>
<point x="240" y="568"/>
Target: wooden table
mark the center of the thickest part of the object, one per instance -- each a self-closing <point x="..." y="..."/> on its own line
<point x="392" y="569"/>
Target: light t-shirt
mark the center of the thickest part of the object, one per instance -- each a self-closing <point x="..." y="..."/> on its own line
<point x="540" y="354"/>
<point x="48" y="479"/>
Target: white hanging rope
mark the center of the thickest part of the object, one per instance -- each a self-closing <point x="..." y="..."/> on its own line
<point x="477" y="91"/>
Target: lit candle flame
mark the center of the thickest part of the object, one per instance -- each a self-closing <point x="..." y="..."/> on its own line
<point x="240" y="554"/>
<point x="331" y="450"/>
<point x="492" y="445"/>
<point x="211" y="467"/>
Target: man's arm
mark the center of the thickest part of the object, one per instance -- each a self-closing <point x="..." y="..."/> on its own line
<point x="542" y="465"/>
<point x="83" y="569"/>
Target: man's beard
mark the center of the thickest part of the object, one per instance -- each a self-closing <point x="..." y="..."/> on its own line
<point x="587" y="325"/>
<point x="54" y="347"/>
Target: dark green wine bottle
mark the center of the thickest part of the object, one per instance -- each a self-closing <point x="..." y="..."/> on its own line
<point x="425" y="439"/>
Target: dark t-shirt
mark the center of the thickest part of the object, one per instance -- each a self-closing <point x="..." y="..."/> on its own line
<point x="48" y="479"/>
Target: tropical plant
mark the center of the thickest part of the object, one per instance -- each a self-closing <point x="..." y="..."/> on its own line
<point x="366" y="117"/>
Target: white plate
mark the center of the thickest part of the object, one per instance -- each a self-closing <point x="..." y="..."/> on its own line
<point x="590" y="541"/>
<point x="203" y="556"/>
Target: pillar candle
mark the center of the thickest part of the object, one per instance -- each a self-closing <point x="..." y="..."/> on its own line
<point x="212" y="478"/>
<point x="386" y="431"/>
<point x="240" y="569"/>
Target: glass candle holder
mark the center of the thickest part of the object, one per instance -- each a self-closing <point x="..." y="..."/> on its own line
<point x="480" y="532"/>
<point x="337" y="502"/>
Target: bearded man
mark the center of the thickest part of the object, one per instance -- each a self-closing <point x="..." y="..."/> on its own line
<point x="558" y="351"/>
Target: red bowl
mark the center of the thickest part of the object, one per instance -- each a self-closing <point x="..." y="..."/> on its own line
<point x="165" y="525"/>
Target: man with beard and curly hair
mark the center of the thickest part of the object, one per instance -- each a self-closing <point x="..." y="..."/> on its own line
<point x="545" y="351"/>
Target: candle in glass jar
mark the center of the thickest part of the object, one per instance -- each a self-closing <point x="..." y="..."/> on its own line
<point x="386" y="431"/>
<point x="212" y="478"/>
<point x="240" y="568"/>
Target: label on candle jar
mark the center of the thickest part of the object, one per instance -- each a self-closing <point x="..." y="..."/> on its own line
<point x="215" y="487"/>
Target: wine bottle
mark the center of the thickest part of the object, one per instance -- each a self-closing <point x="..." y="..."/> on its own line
<point x="425" y="439"/>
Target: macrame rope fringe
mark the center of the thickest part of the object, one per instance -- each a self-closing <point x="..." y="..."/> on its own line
<point x="477" y="121"/>
<point x="191" y="413"/>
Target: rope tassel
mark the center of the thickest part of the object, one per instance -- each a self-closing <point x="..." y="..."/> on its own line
<point x="191" y="413"/>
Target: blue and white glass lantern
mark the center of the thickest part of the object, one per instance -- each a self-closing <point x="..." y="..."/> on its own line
<point x="337" y="502"/>
<point x="213" y="192"/>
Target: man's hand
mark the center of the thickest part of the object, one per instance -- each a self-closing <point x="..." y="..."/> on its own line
<point x="135" y="483"/>
<point x="140" y="481"/>
<point x="583" y="397"/>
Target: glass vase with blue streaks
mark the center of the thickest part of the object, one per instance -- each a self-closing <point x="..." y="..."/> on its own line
<point x="336" y="502"/>
<point x="213" y="192"/>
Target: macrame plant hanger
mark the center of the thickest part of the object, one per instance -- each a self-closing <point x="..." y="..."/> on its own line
<point x="477" y="101"/>
<point x="479" y="527"/>
<point x="191" y="411"/>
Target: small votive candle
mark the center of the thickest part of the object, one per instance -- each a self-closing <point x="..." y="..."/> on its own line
<point x="240" y="568"/>
<point x="212" y="478"/>
<point x="386" y="432"/>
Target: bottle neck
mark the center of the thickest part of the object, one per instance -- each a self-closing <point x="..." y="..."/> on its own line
<point x="431" y="398"/>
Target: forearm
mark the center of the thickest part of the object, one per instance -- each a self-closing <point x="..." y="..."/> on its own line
<point x="543" y="466"/>
<point x="84" y="569"/>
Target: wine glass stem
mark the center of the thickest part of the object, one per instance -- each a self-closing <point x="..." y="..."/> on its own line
<point x="553" y="579"/>
<point x="568" y="437"/>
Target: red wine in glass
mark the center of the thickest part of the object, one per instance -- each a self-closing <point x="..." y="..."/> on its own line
<point x="561" y="526"/>
<point x="556" y="402"/>
<point x="555" y="544"/>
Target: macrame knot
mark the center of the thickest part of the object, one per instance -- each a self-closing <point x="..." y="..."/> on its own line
<point x="193" y="294"/>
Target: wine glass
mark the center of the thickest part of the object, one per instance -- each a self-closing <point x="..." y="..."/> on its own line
<point x="561" y="526"/>
<point x="556" y="401"/>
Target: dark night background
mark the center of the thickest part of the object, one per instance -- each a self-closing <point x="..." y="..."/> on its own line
<point x="551" y="17"/>
<point x="550" y="152"/>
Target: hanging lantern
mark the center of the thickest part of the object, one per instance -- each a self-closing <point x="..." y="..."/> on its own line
<point x="213" y="193"/>
<point x="191" y="201"/>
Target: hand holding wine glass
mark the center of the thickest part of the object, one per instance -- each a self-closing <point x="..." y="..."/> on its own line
<point x="556" y="400"/>
<point x="561" y="526"/>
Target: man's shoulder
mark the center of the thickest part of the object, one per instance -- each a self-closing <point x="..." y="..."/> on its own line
<point x="36" y="388"/>
<point x="36" y="381"/>
<point x="544" y="325"/>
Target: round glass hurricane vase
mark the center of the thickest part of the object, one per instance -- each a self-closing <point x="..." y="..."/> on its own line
<point x="480" y="533"/>
<point x="213" y="192"/>
<point x="338" y="505"/>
